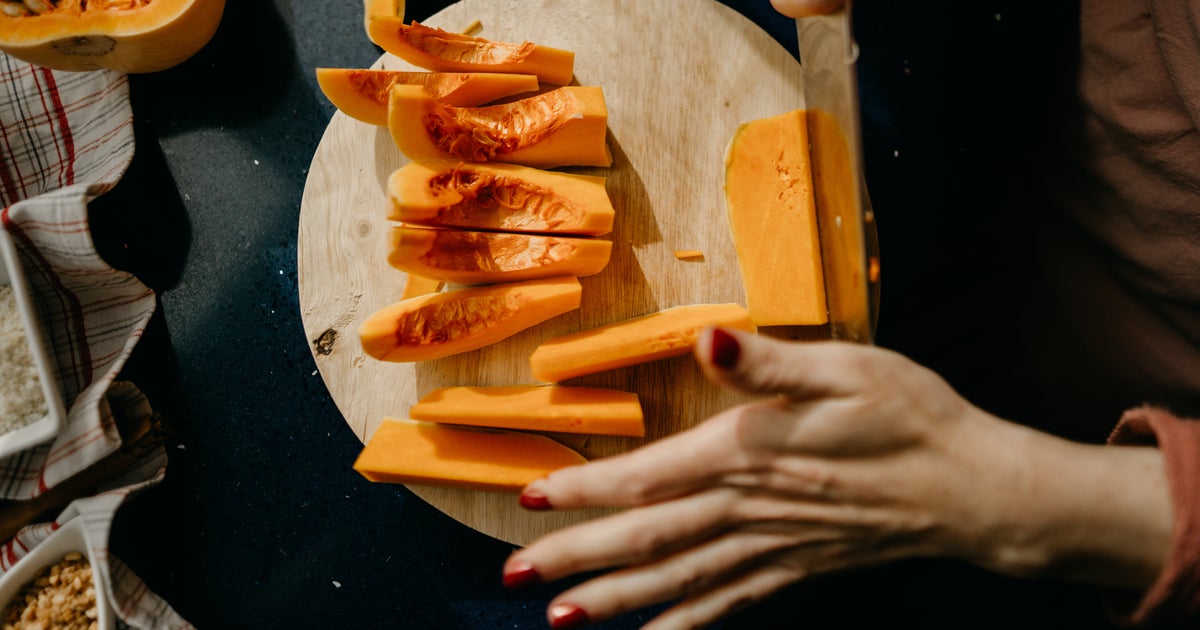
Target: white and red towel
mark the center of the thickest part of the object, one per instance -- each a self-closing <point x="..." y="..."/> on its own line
<point x="64" y="139"/>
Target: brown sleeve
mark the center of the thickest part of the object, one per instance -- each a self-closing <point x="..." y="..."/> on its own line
<point x="1175" y="596"/>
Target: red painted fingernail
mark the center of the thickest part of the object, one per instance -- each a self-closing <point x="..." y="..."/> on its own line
<point x="725" y="349"/>
<point x="521" y="575"/>
<point x="565" y="616"/>
<point x="534" y="500"/>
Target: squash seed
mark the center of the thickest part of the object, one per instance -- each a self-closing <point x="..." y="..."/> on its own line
<point x="40" y="6"/>
<point x="14" y="9"/>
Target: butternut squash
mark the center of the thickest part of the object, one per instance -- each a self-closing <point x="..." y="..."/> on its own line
<point x="471" y="257"/>
<point x="132" y="36"/>
<point x="668" y="333"/>
<point x="591" y="410"/>
<point x="772" y="215"/>
<point x="410" y="452"/>
<point x="497" y="196"/>
<point x="443" y="51"/>
<point x="416" y="285"/>
<point x="363" y="94"/>
<point x="566" y="126"/>
<point x="381" y="9"/>
<point x="441" y="324"/>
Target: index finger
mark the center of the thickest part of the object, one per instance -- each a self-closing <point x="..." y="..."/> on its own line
<point x="804" y="8"/>
<point x="670" y="467"/>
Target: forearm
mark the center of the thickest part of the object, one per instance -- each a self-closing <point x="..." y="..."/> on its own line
<point x="1096" y="514"/>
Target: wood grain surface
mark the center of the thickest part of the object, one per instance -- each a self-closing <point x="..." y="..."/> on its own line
<point x="678" y="78"/>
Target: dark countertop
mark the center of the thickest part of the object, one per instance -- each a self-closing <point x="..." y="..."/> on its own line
<point x="262" y="523"/>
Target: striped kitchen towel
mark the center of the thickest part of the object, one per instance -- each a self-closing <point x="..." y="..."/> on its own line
<point x="64" y="139"/>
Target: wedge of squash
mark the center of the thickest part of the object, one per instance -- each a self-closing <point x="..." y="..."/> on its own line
<point x="443" y="51"/>
<point x="566" y="126"/>
<point x="363" y="94"/>
<point x="591" y="410"/>
<point x="668" y="333"/>
<point x="410" y="452"/>
<point x="441" y="324"/>
<point x="415" y="285"/>
<point x="131" y="37"/>
<point x="372" y="9"/>
<point x="772" y="214"/>
<point x="497" y="196"/>
<point x="475" y="257"/>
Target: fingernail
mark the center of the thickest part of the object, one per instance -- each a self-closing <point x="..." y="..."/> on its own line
<point x="725" y="349"/>
<point x="521" y="575"/>
<point x="565" y="616"/>
<point x="534" y="500"/>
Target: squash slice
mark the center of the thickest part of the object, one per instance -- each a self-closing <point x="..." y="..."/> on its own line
<point x="132" y="37"/>
<point x="441" y="324"/>
<point x="363" y="94"/>
<point x="668" y="333"/>
<point x="443" y="51"/>
<point x="566" y="126"/>
<point x="591" y="410"/>
<point x="405" y="451"/>
<point x="471" y="257"/>
<point x="497" y="196"/>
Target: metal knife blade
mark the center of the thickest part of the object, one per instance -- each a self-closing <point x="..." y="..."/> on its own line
<point x="845" y="222"/>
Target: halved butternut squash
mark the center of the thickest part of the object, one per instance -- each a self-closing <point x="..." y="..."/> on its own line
<point x="443" y="51"/>
<point x="773" y="218"/>
<point x="364" y="94"/>
<point x="668" y="333"/>
<point x="132" y="36"/>
<point x="406" y="451"/>
<point x="497" y="196"/>
<point x="566" y="126"/>
<point x="591" y="410"/>
<point x="441" y="324"/>
<point x="472" y="257"/>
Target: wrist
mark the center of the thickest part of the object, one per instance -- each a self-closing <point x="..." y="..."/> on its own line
<point x="1096" y="514"/>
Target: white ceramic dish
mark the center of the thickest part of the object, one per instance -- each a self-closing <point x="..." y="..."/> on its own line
<point x="44" y="429"/>
<point x="66" y="539"/>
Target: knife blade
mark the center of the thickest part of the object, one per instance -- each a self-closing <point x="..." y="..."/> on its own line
<point x="845" y="221"/>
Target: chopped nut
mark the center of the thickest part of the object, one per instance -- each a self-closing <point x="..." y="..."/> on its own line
<point x="61" y="596"/>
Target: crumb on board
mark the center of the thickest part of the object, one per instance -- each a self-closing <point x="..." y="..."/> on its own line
<point x="689" y="254"/>
<point x="474" y="27"/>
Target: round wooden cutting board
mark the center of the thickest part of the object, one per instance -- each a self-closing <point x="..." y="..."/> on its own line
<point x="678" y="78"/>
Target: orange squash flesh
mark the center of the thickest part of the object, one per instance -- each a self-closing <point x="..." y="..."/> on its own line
<point x="471" y="257"/>
<point x="363" y="94"/>
<point x="373" y="9"/>
<point x="497" y="196"/>
<point x="662" y="335"/>
<point x="772" y="214"/>
<point x="405" y="451"/>
<point x="591" y="410"/>
<point x="132" y="36"/>
<point x="443" y="51"/>
<point x="441" y="324"/>
<point x="566" y="126"/>
<point x="416" y="285"/>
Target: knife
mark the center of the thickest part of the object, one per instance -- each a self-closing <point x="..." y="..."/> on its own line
<point x="845" y="221"/>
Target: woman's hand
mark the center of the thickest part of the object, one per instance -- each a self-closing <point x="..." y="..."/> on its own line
<point x="857" y="457"/>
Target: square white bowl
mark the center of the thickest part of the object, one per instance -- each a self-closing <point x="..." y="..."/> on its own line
<point x="64" y="540"/>
<point x="49" y="425"/>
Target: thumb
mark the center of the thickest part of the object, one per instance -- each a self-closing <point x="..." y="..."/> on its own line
<point x="804" y="8"/>
<point x="763" y="365"/>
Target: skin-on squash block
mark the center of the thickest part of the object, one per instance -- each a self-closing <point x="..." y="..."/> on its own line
<point x="566" y="126"/>
<point x="438" y="325"/>
<point x="668" y="333"/>
<point x="475" y="257"/>
<point x="443" y="51"/>
<point x="590" y="410"/>
<point x="76" y="36"/>
<point x="497" y="196"/>
<point x="363" y="94"/>
<point x="410" y="452"/>
<point x="772" y="215"/>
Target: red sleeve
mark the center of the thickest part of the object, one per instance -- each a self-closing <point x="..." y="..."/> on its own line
<point x="1175" y="596"/>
